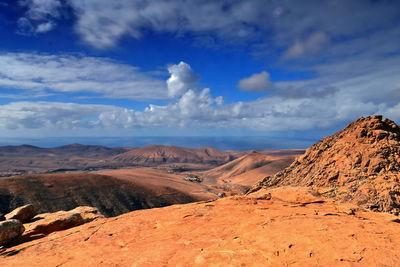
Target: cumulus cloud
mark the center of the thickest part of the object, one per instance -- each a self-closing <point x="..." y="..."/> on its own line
<point x="191" y="109"/>
<point x="256" y="82"/>
<point x="199" y="109"/>
<point x="340" y="92"/>
<point x="182" y="78"/>
<point x="99" y="77"/>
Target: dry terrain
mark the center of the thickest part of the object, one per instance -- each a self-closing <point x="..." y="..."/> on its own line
<point x="117" y="191"/>
<point x="289" y="226"/>
<point x="157" y="154"/>
<point x="112" y="195"/>
<point x="251" y="167"/>
<point x="26" y="159"/>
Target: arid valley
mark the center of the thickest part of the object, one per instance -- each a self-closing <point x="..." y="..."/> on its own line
<point x="335" y="203"/>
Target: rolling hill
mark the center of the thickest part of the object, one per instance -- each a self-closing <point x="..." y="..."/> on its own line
<point x="113" y="193"/>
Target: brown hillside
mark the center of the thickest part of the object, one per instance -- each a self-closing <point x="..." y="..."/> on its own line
<point x="25" y="159"/>
<point x="158" y="154"/>
<point x="360" y="164"/>
<point x="112" y="195"/>
<point x="249" y="178"/>
<point x="291" y="226"/>
<point x="249" y="168"/>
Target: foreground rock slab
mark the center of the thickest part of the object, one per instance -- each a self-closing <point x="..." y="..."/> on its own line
<point x="234" y="231"/>
<point x="10" y="230"/>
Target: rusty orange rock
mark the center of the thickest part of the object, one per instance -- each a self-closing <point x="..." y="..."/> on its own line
<point x="234" y="231"/>
<point x="360" y="164"/>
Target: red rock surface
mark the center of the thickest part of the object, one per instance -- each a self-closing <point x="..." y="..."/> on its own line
<point x="274" y="228"/>
<point x="360" y="164"/>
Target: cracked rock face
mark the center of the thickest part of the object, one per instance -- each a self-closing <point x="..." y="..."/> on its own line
<point x="360" y="164"/>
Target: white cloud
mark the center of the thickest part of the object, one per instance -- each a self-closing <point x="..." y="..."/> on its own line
<point x="301" y="26"/>
<point x="101" y="23"/>
<point x="41" y="9"/>
<point x="45" y="27"/>
<point x="196" y="109"/>
<point x="182" y="78"/>
<point x="59" y="116"/>
<point x="40" y="16"/>
<point x="256" y="82"/>
<point x="334" y="96"/>
<point x="65" y="73"/>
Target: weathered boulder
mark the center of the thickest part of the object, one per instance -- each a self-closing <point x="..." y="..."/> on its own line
<point x="47" y="223"/>
<point x="22" y="214"/>
<point x="88" y="213"/>
<point x="10" y="230"/>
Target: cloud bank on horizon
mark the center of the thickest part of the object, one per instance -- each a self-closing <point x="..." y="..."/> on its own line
<point x="320" y="64"/>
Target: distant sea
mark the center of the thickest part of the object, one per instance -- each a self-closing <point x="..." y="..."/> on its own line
<point x="220" y="142"/>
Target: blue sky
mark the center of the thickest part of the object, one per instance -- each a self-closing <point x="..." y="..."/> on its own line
<point x="260" y="67"/>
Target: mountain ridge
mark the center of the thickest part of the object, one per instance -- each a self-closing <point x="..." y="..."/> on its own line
<point x="359" y="164"/>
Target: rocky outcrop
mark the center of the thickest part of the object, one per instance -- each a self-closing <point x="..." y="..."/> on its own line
<point x="46" y="223"/>
<point x="51" y="222"/>
<point x="360" y="164"/>
<point x="87" y="213"/>
<point x="22" y="214"/>
<point x="10" y="230"/>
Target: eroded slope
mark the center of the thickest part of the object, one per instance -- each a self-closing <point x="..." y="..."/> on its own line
<point x="360" y="164"/>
